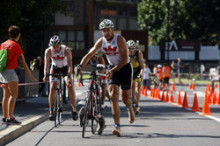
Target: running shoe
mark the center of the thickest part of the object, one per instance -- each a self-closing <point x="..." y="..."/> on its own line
<point x="75" y="116"/>
<point x="12" y="121"/>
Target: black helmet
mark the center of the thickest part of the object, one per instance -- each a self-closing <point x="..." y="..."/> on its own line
<point x="55" y="40"/>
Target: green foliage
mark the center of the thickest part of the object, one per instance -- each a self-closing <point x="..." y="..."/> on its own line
<point x="33" y="17"/>
<point x="189" y="19"/>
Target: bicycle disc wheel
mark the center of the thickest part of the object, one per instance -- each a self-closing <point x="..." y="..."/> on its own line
<point x="85" y="120"/>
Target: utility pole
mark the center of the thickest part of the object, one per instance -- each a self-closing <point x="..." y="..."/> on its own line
<point x="168" y="31"/>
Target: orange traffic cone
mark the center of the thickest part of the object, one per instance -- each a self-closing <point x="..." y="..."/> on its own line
<point x="173" y="86"/>
<point x="158" y="94"/>
<point x="167" y="97"/>
<point x="190" y="86"/>
<point x="162" y="98"/>
<point x="195" y="107"/>
<point x="185" y="101"/>
<point x="214" y="98"/>
<point x="210" y="97"/>
<point x="206" y="109"/>
<point x="79" y="84"/>
<point x="171" y="97"/>
<point x="142" y="90"/>
<point x="218" y="101"/>
<point x="145" y="91"/>
<point x="179" y="99"/>
<point x="193" y="86"/>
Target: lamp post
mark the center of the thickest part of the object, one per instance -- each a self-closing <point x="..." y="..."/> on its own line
<point x="219" y="61"/>
<point x="168" y="30"/>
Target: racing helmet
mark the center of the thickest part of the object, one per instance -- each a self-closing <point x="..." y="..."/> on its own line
<point x="159" y="66"/>
<point x="131" y="44"/>
<point x="106" y="23"/>
<point x="54" y="40"/>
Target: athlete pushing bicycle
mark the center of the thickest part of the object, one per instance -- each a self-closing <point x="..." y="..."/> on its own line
<point x="120" y="74"/>
<point x="61" y="58"/>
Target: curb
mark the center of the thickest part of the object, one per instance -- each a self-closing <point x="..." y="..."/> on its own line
<point x="15" y="131"/>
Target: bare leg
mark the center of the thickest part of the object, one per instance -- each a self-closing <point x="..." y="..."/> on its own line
<point x="72" y="95"/>
<point x="6" y="96"/>
<point x="126" y="98"/>
<point x="52" y="94"/>
<point x="13" y="89"/>
<point x="114" y="93"/>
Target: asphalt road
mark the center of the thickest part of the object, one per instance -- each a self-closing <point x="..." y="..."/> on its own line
<point x="159" y="123"/>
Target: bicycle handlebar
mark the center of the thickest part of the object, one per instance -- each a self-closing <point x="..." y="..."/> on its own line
<point x="91" y="73"/>
<point x="58" y="74"/>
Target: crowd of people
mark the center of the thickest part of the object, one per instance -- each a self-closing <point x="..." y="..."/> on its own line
<point x="127" y="72"/>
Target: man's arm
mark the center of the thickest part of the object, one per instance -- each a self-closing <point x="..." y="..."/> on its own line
<point x="123" y="52"/>
<point x="47" y="61"/>
<point x="140" y="54"/>
<point x="91" y="53"/>
<point x="69" y="60"/>
<point x="26" y="68"/>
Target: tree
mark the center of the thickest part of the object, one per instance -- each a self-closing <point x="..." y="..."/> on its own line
<point x="33" y="17"/>
<point x="189" y="19"/>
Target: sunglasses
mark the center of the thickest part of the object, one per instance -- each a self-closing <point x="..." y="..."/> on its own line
<point x="132" y="48"/>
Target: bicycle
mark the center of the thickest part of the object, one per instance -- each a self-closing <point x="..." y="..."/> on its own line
<point x="92" y="108"/>
<point x="58" y="104"/>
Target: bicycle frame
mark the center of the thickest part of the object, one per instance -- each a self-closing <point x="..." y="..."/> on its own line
<point x="93" y="103"/>
<point x="58" y="104"/>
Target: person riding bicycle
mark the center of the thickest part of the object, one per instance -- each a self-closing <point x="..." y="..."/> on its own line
<point x="120" y="74"/>
<point x="136" y="57"/>
<point x="61" y="58"/>
<point x="167" y="74"/>
<point x="159" y="74"/>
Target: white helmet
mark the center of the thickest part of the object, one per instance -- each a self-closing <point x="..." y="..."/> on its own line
<point x="130" y="43"/>
<point x="106" y="23"/>
<point x="159" y="66"/>
<point x="54" y="40"/>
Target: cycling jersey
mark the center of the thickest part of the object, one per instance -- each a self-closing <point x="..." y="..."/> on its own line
<point x="59" y="59"/>
<point x="111" y="50"/>
<point x="135" y="64"/>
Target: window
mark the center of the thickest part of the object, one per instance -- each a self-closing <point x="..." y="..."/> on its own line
<point x="122" y="24"/>
<point x="73" y="39"/>
<point x="71" y="36"/>
<point x="80" y="36"/>
<point x="62" y="35"/>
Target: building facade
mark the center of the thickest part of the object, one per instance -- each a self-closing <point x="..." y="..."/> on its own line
<point x="79" y="28"/>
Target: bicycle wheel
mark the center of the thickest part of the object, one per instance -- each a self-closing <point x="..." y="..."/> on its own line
<point x="85" y="120"/>
<point x="98" y="99"/>
<point x="56" y="108"/>
<point x="60" y="109"/>
<point x="94" y="112"/>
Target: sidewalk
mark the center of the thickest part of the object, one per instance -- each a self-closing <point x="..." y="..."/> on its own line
<point x="31" y="113"/>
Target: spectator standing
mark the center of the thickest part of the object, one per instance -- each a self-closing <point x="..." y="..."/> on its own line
<point x="147" y="72"/>
<point x="9" y="78"/>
